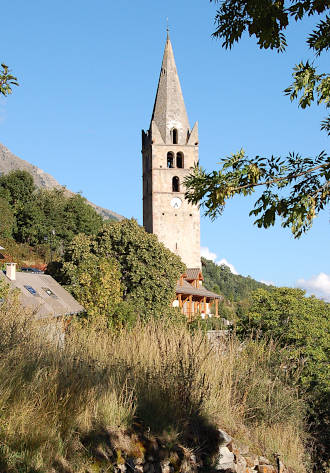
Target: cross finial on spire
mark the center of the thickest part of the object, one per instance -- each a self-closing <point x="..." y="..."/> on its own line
<point x="167" y="27"/>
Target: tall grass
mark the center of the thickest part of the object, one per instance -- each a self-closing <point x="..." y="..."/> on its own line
<point x="55" y="401"/>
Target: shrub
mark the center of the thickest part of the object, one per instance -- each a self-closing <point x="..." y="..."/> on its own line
<point x="148" y="270"/>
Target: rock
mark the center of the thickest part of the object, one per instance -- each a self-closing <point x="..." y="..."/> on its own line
<point x="251" y="461"/>
<point x="240" y="464"/>
<point x="225" y="460"/>
<point x="165" y="466"/>
<point x="265" y="469"/>
<point x="224" y="438"/>
<point x="138" y="469"/>
<point x="280" y="465"/>
<point x="263" y="461"/>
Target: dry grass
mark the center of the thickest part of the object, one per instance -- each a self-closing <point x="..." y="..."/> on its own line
<point x="55" y="402"/>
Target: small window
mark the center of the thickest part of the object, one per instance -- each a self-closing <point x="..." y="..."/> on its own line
<point x="175" y="184"/>
<point x="31" y="290"/>
<point x="175" y="136"/>
<point x="179" y="160"/>
<point x="170" y="160"/>
<point x="48" y="291"/>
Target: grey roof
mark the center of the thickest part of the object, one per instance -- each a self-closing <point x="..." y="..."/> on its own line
<point x="56" y="302"/>
<point x="193" y="273"/>
<point x="189" y="289"/>
<point x="169" y="109"/>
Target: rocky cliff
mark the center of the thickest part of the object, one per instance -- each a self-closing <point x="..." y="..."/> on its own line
<point x="11" y="162"/>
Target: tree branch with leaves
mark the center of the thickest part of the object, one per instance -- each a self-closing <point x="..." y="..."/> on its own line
<point x="7" y="80"/>
<point x="296" y="189"/>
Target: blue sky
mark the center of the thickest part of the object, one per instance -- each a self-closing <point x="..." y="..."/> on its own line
<point x="88" y="73"/>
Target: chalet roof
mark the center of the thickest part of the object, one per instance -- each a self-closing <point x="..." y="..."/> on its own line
<point x="189" y="289"/>
<point x="193" y="273"/>
<point x="43" y="294"/>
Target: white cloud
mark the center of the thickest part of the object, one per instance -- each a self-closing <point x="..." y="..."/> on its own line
<point x="268" y="283"/>
<point x="226" y="263"/>
<point x="206" y="253"/>
<point x="318" y="285"/>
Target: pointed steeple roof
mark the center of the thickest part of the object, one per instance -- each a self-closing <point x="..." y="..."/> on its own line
<point x="169" y="110"/>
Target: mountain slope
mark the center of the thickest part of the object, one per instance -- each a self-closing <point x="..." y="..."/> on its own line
<point x="11" y="162"/>
<point x="222" y="281"/>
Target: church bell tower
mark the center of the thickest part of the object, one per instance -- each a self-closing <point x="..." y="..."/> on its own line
<point x="169" y="152"/>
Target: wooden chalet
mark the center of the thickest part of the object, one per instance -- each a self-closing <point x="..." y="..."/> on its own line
<point x="193" y="299"/>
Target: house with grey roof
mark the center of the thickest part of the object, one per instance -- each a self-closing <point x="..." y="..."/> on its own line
<point x="41" y="293"/>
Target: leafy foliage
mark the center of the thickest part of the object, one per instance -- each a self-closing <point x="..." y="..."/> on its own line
<point x="302" y="325"/>
<point x="7" y="80"/>
<point x="17" y="187"/>
<point x="267" y="20"/>
<point x="148" y="270"/>
<point x="94" y="280"/>
<point x="307" y="178"/>
<point x="7" y="220"/>
<point x="299" y="322"/>
<point x="222" y="281"/>
<point x="309" y="83"/>
<point x="46" y="216"/>
<point x="303" y="182"/>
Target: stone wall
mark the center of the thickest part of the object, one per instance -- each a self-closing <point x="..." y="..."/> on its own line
<point x="140" y="453"/>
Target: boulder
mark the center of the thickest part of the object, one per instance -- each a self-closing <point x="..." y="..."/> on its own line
<point x="251" y="461"/>
<point x="240" y="464"/>
<point x="224" y="438"/>
<point x="225" y="460"/>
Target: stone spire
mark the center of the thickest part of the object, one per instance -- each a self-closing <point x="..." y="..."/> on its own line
<point x="169" y="111"/>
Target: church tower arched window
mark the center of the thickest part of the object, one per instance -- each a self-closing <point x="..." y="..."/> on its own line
<point x="170" y="160"/>
<point x="175" y="184"/>
<point x="179" y="160"/>
<point x="175" y="136"/>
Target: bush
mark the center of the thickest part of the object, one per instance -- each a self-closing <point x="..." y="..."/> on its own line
<point x="148" y="270"/>
<point x="301" y="324"/>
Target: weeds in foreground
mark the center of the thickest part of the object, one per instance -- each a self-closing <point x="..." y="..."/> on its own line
<point x="56" y="401"/>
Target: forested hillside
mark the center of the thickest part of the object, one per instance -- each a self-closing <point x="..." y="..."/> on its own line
<point x="222" y="281"/>
<point x="10" y="162"/>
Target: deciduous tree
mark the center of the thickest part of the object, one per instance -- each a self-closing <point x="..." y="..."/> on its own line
<point x="148" y="270"/>
<point x="94" y="280"/>
<point x="301" y="325"/>
<point x="7" y="219"/>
